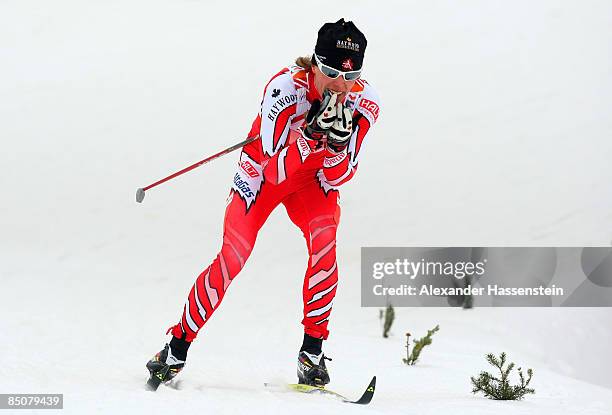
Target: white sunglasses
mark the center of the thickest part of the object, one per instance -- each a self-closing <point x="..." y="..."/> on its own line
<point x="334" y="73"/>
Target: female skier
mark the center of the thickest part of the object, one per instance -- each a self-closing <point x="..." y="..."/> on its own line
<point x="313" y="119"/>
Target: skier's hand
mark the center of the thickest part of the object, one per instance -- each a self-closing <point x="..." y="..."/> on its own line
<point x="341" y="130"/>
<point x="321" y="116"/>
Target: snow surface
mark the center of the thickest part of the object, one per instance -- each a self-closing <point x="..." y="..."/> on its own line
<point x="495" y="131"/>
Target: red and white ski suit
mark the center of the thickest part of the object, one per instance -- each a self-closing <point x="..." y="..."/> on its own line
<point x="283" y="167"/>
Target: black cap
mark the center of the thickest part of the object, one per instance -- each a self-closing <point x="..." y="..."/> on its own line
<point x="341" y="45"/>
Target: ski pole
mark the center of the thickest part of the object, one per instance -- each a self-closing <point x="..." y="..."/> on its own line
<point x="140" y="193"/>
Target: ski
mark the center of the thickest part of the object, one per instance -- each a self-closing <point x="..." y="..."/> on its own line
<point x="153" y="383"/>
<point x="365" y="398"/>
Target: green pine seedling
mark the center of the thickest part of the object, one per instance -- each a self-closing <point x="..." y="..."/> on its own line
<point x="418" y="346"/>
<point x="389" y="317"/>
<point x="500" y="388"/>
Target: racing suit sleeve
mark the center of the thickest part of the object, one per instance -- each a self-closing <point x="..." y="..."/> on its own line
<point x="339" y="168"/>
<point x="284" y="148"/>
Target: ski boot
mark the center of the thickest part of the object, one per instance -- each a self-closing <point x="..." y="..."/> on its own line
<point x="163" y="367"/>
<point x="311" y="369"/>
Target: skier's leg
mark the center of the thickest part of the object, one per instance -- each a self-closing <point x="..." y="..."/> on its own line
<point x="241" y="226"/>
<point x="317" y="214"/>
<point x="250" y="203"/>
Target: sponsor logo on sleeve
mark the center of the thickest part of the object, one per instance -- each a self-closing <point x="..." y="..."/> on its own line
<point x="281" y="104"/>
<point x="304" y="147"/>
<point x="370" y="107"/>
<point x="333" y="161"/>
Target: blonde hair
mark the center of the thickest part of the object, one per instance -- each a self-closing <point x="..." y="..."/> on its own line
<point x="304" y="61"/>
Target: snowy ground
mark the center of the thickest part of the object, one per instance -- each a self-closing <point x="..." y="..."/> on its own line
<point x="495" y="131"/>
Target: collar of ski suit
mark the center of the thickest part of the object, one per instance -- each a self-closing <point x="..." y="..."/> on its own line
<point x="312" y="94"/>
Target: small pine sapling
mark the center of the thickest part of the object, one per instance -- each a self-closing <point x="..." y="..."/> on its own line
<point x="407" y="348"/>
<point x="500" y="388"/>
<point x="389" y="317"/>
<point x="411" y="358"/>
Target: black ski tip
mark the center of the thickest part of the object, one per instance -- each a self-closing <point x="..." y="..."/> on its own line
<point x="367" y="396"/>
<point x="140" y="194"/>
<point x="152" y="384"/>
